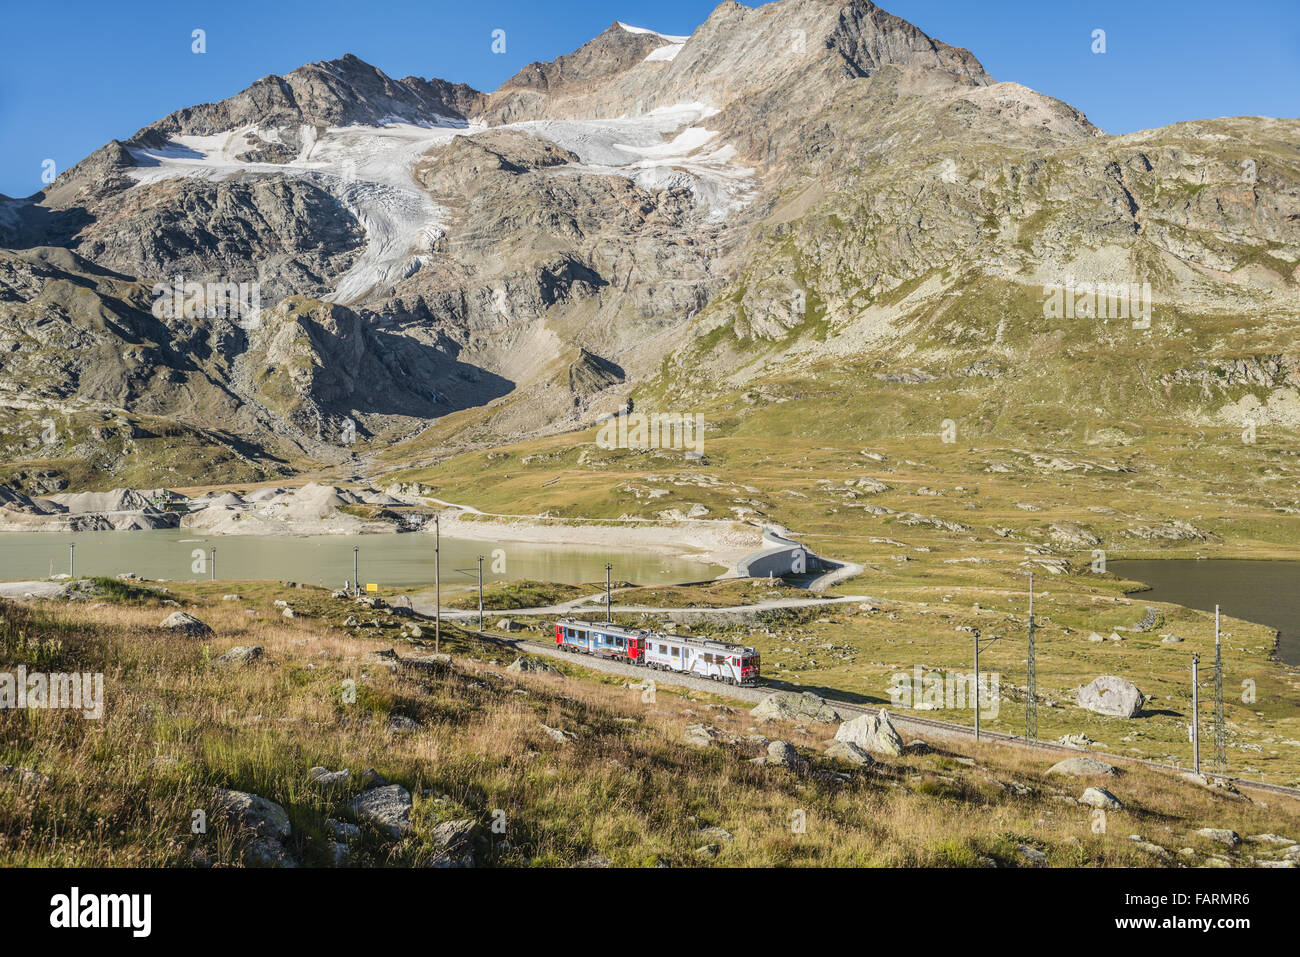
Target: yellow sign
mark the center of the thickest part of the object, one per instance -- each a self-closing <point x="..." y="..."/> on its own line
<point x="372" y="587"/>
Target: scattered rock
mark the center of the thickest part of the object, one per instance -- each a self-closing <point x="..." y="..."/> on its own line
<point x="267" y="852"/>
<point x="555" y="734"/>
<point x="849" y="752"/>
<point x="714" y="835"/>
<point x="1100" y="797"/>
<point x="370" y="778"/>
<point x="185" y="624"/>
<point x="703" y="735"/>
<point x="426" y="664"/>
<point x="1155" y="849"/>
<point x="265" y="818"/>
<point x="387" y="807"/>
<point x="240" y="655"/>
<point x="1220" y="835"/>
<point x="25" y="777"/>
<point x="1081" y="767"/>
<point x="401" y="724"/>
<point x="525" y="663"/>
<point x="1219" y="786"/>
<point x="343" y="830"/>
<point x="1033" y="855"/>
<point x="785" y="755"/>
<point x="387" y="658"/>
<point x="454" y="839"/>
<point x="1080" y="740"/>
<point x="326" y="778"/>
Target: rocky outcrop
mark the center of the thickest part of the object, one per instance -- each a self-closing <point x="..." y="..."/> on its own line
<point x="330" y="93"/>
<point x="695" y="209"/>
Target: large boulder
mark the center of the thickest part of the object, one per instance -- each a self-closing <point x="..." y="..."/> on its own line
<point x="795" y="706"/>
<point x="1112" y="696"/>
<point x="872" y="732"/>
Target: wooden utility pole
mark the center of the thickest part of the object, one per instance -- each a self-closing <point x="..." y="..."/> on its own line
<point x="480" y="594"/>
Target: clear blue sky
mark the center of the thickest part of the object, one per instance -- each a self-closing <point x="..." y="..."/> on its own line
<point x="77" y="73"/>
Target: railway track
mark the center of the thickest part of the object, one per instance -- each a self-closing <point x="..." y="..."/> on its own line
<point x="905" y="721"/>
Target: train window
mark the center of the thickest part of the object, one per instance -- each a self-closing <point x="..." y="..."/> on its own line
<point x="676" y="651"/>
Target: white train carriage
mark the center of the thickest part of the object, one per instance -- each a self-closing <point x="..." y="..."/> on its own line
<point x="602" y="639"/>
<point x="716" y="660"/>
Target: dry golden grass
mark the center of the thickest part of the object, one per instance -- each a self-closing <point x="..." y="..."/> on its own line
<point x="121" y="791"/>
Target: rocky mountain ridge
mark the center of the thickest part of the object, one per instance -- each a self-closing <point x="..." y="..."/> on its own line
<point x="790" y="184"/>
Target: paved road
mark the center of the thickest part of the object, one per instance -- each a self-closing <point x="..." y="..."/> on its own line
<point x="36" y="589"/>
<point x="596" y="603"/>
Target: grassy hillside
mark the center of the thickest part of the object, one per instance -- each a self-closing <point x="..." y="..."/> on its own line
<point x="611" y="780"/>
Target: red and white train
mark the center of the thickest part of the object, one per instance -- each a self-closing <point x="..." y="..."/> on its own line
<point x="717" y="660"/>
